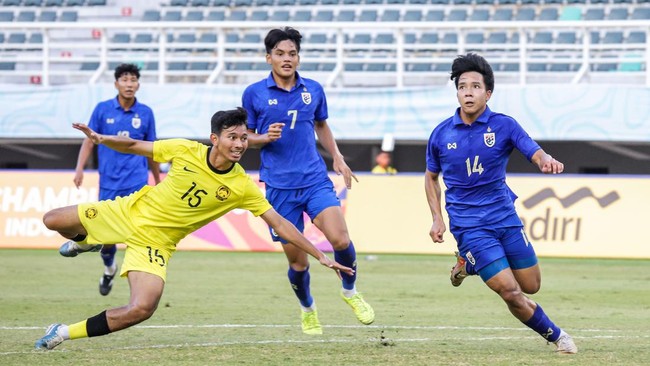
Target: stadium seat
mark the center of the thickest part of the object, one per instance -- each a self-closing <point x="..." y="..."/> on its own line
<point x="308" y="66"/>
<point x="53" y="2"/>
<point x="525" y="14"/>
<point x="384" y="38"/>
<point x="171" y="16"/>
<point x="514" y="39"/>
<point x="502" y="14"/>
<point x="35" y="38"/>
<point x="207" y="38"/>
<point x="474" y="38"/>
<point x="121" y="38"/>
<point x="286" y="2"/>
<point x="216" y="16"/>
<point x="418" y="67"/>
<point x="450" y="38"/>
<point x="435" y="16"/>
<point x="613" y="37"/>
<point x="595" y="14"/>
<point x="75" y="2"/>
<point x="302" y="16"/>
<point x="440" y="2"/>
<point x="510" y="67"/>
<point x="327" y="66"/>
<point x="351" y="2"/>
<point x="243" y="3"/>
<point x="89" y="66"/>
<point x="207" y="3"/>
<point x="390" y="15"/>
<point x="537" y="67"/>
<point x="185" y="38"/>
<point x="566" y="38"/>
<point x="47" y="16"/>
<point x="412" y="16"/>
<point x="551" y="2"/>
<point x="33" y="3"/>
<point x="378" y="67"/>
<point x="410" y="38"/>
<point x="143" y="38"/>
<point x="12" y="2"/>
<point x="279" y="16"/>
<point x="368" y="16"/>
<point x="200" y="66"/>
<point x="429" y="38"/>
<point x="417" y="1"/>
<point x="640" y="14"/>
<point x="485" y="2"/>
<point x="594" y="37"/>
<point x="636" y="37"/>
<point x="240" y="66"/>
<point x="237" y="16"/>
<point x="6" y="16"/>
<point x="530" y="2"/>
<point x="442" y="67"/>
<point x="151" y="16"/>
<point x="26" y="16"/>
<point x="353" y="66"/>
<point x="571" y="13"/>
<point x="96" y="2"/>
<point x="259" y="15"/>
<point x="324" y="16"/>
<point x="194" y="16"/>
<point x="389" y="2"/>
<point x="264" y="2"/>
<point x="561" y="67"/>
<point x="151" y="66"/>
<point x="317" y="38"/>
<point x="345" y="16"/>
<point x="574" y="2"/>
<point x="497" y="38"/>
<point x="617" y="14"/>
<point x="461" y="2"/>
<point x="178" y="3"/>
<point x="329" y="2"/>
<point x="543" y="38"/>
<point x="605" y="66"/>
<point x="307" y="2"/>
<point x="480" y="15"/>
<point x="457" y="15"/>
<point x="361" y="38"/>
<point x="16" y="38"/>
<point x="177" y="66"/>
<point x="548" y="14"/>
<point x="506" y="2"/>
<point x="622" y="1"/>
<point x="630" y="66"/>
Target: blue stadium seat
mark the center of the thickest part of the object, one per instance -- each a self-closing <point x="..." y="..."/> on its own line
<point x="410" y="38"/>
<point x="442" y="67"/>
<point x="264" y="2"/>
<point x="143" y="38"/>
<point x="351" y="2"/>
<point x="380" y="67"/>
<point x="418" y="67"/>
<point x="543" y="38"/>
<point x="200" y="66"/>
<point x="237" y="16"/>
<point x="6" y="16"/>
<point x="121" y="38"/>
<point x="613" y="37"/>
<point x="412" y="16"/>
<point x="551" y="2"/>
<point x="548" y="14"/>
<point x="537" y="67"/>
<point x="308" y="66"/>
<point x="567" y="37"/>
<point x="216" y="16"/>
<point x="307" y="2"/>
<point x="47" y="16"/>
<point x="12" y="2"/>
<point x="395" y="2"/>
<point x="239" y="66"/>
<point x="514" y="38"/>
<point x="372" y="2"/>
<point x="329" y="2"/>
<point x="286" y="2"/>
<point x="390" y="15"/>
<point x="260" y="66"/>
<point x="151" y="16"/>
<point x="571" y="13"/>
<point x="605" y="66"/>
<point x="202" y="2"/>
<point x="328" y="66"/>
<point x="33" y="3"/>
<point x="480" y="15"/>
<point x="474" y="38"/>
<point x="254" y="41"/>
<point x="636" y="37"/>
<point x="324" y="16"/>
<point x="75" y="2"/>
<point x="594" y="37"/>
<point x="573" y="2"/>
<point x="207" y="3"/>
<point x="561" y="67"/>
<point x="384" y="38"/>
<point x="151" y="66"/>
<point x="510" y="67"/>
<point x="53" y="2"/>
<point x="302" y="16"/>
<point x="485" y="2"/>
<point x="353" y="66"/>
<point x="280" y="16"/>
<point x="207" y="38"/>
<point x="595" y="14"/>
<point x="194" y="16"/>
<point x="17" y="38"/>
<point x="96" y="2"/>
<point x="525" y="14"/>
<point x="417" y="1"/>
<point x="345" y="16"/>
<point x="178" y="3"/>
<point x="35" y="38"/>
<point x="429" y="38"/>
<point x="171" y="16"/>
<point x="89" y="66"/>
<point x="435" y="16"/>
<point x="506" y="2"/>
<point x="456" y="15"/>
<point x="440" y="2"/>
<point x="243" y="3"/>
<point x="26" y="16"/>
<point x="497" y="38"/>
<point x="461" y="2"/>
<point x="622" y="1"/>
<point x="502" y="14"/>
<point x="177" y="66"/>
<point x="450" y="38"/>
<point x="617" y="14"/>
<point x="317" y="38"/>
<point x="368" y="16"/>
<point x="640" y="14"/>
<point x="259" y="15"/>
<point x="361" y="38"/>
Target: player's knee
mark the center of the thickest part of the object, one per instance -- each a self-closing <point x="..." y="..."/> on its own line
<point x="512" y="296"/>
<point x="531" y="288"/>
<point x="341" y="243"/>
<point x="50" y="220"/>
<point x="141" y="312"/>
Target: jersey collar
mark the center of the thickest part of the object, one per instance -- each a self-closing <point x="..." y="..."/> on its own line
<point x="483" y="118"/>
<point x="215" y="170"/>
<point x="270" y="82"/>
<point x="117" y="105"/>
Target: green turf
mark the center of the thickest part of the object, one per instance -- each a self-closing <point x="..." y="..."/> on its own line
<point x="238" y="309"/>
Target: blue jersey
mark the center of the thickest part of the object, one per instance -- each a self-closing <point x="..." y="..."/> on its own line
<point x="472" y="160"/>
<point x="118" y="170"/>
<point x="292" y="161"/>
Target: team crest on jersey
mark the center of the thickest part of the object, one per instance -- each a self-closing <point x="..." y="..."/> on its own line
<point x="306" y="98"/>
<point x="489" y="139"/>
<point x="136" y="122"/>
<point x="91" y="213"/>
<point x="110" y="121"/>
<point x="470" y="258"/>
<point x="223" y="193"/>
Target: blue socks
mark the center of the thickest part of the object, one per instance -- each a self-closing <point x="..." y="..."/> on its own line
<point x="300" y="284"/>
<point x="540" y="323"/>
<point x="348" y="258"/>
<point x="108" y="254"/>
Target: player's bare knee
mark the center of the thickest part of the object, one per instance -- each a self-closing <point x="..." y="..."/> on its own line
<point x="50" y="220"/>
<point x="141" y="312"/>
<point x="341" y="243"/>
<point x="531" y="289"/>
<point x="512" y="296"/>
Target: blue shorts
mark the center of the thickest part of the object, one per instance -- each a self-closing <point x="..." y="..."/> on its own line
<point x="291" y="203"/>
<point x="111" y="194"/>
<point x="491" y="250"/>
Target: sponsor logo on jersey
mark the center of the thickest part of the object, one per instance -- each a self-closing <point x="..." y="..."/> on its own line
<point x="451" y="145"/>
<point x="91" y="213"/>
<point x="489" y="139"/>
<point x="223" y="193"/>
<point x="306" y="98"/>
<point x="470" y="258"/>
<point x="185" y="168"/>
<point x="273" y="102"/>
<point x="110" y="121"/>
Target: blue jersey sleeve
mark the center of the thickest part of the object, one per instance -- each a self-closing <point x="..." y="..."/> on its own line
<point x="433" y="158"/>
<point x="95" y="119"/>
<point x="151" y="130"/>
<point x="248" y="102"/>
<point x="522" y="141"/>
<point x="321" y="114"/>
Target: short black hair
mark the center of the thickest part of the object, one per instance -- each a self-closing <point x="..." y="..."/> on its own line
<point x="127" y="69"/>
<point x="223" y="120"/>
<point x="276" y="36"/>
<point x="472" y="62"/>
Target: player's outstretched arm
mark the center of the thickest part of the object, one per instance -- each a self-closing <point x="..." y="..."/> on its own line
<point x="118" y="143"/>
<point x="546" y="163"/>
<point x="288" y="232"/>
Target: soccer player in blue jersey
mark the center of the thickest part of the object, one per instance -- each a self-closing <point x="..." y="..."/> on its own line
<point x="204" y="183"/>
<point x="119" y="174"/>
<point x="471" y="151"/>
<point x="284" y="111"/>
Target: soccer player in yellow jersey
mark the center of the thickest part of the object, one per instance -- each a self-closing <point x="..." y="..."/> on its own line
<point x="204" y="183"/>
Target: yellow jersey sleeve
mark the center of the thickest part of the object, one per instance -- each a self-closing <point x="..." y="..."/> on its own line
<point x="254" y="200"/>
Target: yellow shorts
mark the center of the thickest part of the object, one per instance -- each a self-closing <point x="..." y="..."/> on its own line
<point x="108" y="222"/>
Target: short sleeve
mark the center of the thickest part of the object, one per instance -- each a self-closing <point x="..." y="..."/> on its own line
<point x="254" y="200"/>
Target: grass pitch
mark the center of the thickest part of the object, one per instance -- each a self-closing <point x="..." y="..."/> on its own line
<point x="238" y="309"/>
